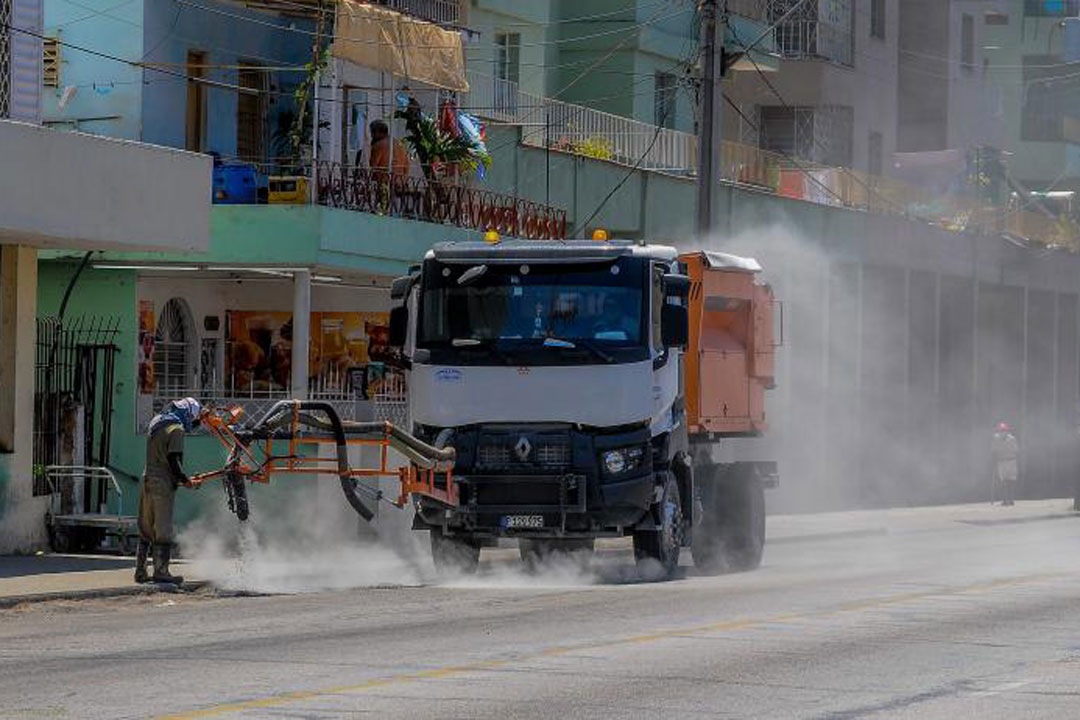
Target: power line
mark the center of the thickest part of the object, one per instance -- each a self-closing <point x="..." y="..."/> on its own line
<point x="787" y="157"/>
<point x="359" y="41"/>
<point x="637" y="164"/>
<point x="106" y="56"/>
<point x="787" y="106"/>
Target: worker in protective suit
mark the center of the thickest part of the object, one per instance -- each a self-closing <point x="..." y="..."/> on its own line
<point x="1006" y="452"/>
<point x="163" y="474"/>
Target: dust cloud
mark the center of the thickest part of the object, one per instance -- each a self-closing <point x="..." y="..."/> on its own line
<point x="890" y="380"/>
<point x="301" y="536"/>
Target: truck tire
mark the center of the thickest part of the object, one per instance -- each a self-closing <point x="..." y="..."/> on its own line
<point x="657" y="551"/>
<point x="576" y="553"/>
<point x="454" y="555"/>
<point x="730" y="536"/>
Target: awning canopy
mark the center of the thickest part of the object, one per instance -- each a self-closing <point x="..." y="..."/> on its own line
<point x="385" y="40"/>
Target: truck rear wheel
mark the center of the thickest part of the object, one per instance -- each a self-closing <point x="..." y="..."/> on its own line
<point x="730" y="536"/>
<point x="558" y="552"/>
<point x="454" y="555"/>
<point x="657" y="551"/>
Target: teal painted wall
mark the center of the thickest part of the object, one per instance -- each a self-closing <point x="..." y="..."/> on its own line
<point x="529" y="20"/>
<point x="102" y="293"/>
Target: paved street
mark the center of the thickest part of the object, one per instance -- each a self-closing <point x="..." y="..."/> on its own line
<point x="931" y="614"/>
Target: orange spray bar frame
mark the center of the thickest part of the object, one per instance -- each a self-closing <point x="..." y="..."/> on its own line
<point x="257" y="461"/>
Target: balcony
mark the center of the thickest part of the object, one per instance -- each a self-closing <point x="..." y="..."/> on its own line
<point x="429" y="201"/>
<point x="581" y="130"/>
<point x="440" y="12"/>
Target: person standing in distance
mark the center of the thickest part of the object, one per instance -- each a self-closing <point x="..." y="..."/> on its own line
<point x="1006" y="452"/>
<point x="164" y="473"/>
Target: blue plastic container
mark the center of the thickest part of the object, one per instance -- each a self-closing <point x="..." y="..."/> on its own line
<point x="235" y="184"/>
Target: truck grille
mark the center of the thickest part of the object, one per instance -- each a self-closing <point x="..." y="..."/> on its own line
<point x="524" y="451"/>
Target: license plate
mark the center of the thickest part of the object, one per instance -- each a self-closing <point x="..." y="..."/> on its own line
<point x="523" y="521"/>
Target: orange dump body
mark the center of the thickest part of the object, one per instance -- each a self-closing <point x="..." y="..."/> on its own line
<point x="731" y="355"/>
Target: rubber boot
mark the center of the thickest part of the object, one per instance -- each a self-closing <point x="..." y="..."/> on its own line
<point x="161" y="566"/>
<point x="141" y="552"/>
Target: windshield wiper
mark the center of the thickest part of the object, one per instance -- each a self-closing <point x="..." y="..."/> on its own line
<point x="488" y="346"/>
<point x="579" y="343"/>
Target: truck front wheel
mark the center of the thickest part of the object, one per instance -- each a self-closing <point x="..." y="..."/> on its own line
<point x="657" y="551"/>
<point x="454" y="555"/>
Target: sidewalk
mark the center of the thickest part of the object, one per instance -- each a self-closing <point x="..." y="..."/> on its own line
<point x="31" y="578"/>
<point x="46" y="576"/>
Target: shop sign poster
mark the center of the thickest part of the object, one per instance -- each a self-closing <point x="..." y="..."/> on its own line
<point x="147" y="337"/>
<point x="342" y="347"/>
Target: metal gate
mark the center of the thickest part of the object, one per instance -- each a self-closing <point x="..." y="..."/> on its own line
<point x="75" y="368"/>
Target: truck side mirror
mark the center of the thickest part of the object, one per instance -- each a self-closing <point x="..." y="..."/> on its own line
<point x="675" y="326"/>
<point x="399" y="326"/>
<point x="676" y="285"/>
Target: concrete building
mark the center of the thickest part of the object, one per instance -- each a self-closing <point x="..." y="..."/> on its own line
<point x="949" y="93"/>
<point x="155" y="198"/>
<point x="860" y="283"/>
<point x="835" y="90"/>
<point x="1031" y="60"/>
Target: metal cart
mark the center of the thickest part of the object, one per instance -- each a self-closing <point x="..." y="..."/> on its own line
<point x="86" y="531"/>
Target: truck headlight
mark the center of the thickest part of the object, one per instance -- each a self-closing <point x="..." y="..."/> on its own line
<point x="622" y="460"/>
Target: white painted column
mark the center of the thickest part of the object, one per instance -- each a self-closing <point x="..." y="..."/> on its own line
<point x="301" y="339"/>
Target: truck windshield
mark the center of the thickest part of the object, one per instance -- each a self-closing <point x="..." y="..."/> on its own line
<point x="551" y="309"/>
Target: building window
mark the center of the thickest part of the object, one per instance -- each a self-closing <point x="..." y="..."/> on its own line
<point x="967" y="42"/>
<point x="251" y="115"/>
<point x="196" y="102"/>
<point x="50" y="62"/>
<point x="174" y="352"/>
<point x="877" y="19"/>
<point x="821" y="134"/>
<point x="875" y="154"/>
<point x="664" y="100"/>
<point x="508" y="56"/>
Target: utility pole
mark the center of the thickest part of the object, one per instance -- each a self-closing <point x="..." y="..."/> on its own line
<point x="712" y="44"/>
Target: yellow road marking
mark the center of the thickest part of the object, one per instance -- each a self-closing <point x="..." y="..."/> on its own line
<point x="563" y="650"/>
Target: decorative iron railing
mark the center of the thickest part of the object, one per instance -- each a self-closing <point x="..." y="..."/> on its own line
<point x="580" y="129"/>
<point x="416" y="198"/>
<point x="441" y="12"/>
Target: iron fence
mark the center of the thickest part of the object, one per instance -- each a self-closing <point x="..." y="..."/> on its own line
<point x="441" y="12"/>
<point x="415" y="198"/>
<point x="5" y="57"/>
<point x="73" y="393"/>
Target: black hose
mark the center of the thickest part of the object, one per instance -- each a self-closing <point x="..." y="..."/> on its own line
<point x="421" y="453"/>
<point x="269" y="423"/>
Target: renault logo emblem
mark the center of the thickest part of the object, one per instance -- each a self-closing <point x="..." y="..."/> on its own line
<point x="523" y="448"/>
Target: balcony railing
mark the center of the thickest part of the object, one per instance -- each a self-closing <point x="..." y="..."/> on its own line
<point x="580" y="129"/>
<point x="441" y="12"/>
<point x="5" y="57"/>
<point x="414" y="198"/>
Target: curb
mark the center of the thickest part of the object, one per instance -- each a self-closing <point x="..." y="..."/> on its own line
<point x="11" y="601"/>
<point x="1020" y="520"/>
<point x="837" y="535"/>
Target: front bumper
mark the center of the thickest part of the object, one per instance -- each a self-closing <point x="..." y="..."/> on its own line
<point x="568" y="504"/>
